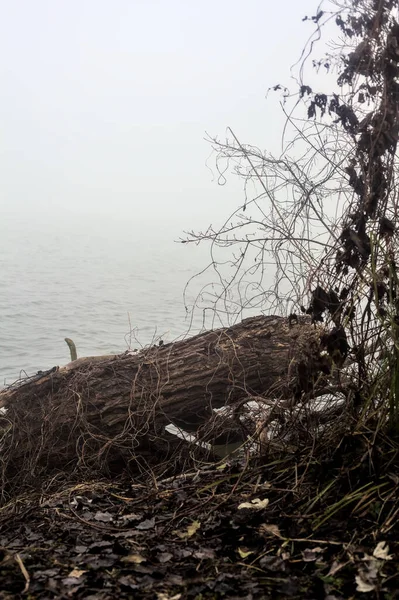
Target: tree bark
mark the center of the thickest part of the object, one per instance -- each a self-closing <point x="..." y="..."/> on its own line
<point x="95" y="409"/>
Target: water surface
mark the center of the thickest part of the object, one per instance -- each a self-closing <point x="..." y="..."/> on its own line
<point x="109" y="286"/>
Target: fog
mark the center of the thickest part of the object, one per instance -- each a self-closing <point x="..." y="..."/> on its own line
<point x="105" y="105"/>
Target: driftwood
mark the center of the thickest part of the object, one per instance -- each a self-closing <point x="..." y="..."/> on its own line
<point x="102" y="411"/>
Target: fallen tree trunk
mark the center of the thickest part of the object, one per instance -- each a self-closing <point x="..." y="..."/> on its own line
<point x="102" y="410"/>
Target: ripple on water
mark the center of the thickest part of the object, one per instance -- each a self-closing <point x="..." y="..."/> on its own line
<point x="103" y="290"/>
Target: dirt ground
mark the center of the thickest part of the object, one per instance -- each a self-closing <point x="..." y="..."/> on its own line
<point x="224" y="530"/>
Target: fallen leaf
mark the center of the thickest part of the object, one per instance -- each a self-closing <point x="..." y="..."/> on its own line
<point x="164" y="557"/>
<point x="131" y="517"/>
<point x="128" y="581"/>
<point x="105" y="517"/>
<point x="366" y="578"/>
<point x="173" y="579"/>
<point x="268" y="530"/>
<point x="163" y="596"/>
<point x="190" y="531"/>
<point x="71" y="581"/>
<point x="312" y="554"/>
<point x="95" y="546"/>
<point x="255" y="504"/>
<point x="272" y="563"/>
<point x="381" y="551"/>
<point x="204" y="553"/>
<point x="134" y="558"/>
<point x="146" y="524"/>
<point x="76" y="573"/>
<point x="47" y="573"/>
<point x="363" y="586"/>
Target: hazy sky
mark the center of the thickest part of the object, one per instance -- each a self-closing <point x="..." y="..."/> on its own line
<point x="105" y="104"/>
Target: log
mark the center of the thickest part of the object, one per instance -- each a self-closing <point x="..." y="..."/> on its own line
<point x="101" y="410"/>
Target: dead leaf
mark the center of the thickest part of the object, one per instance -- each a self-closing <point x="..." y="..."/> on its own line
<point x="76" y="573"/>
<point x="381" y="551"/>
<point x="134" y="558"/>
<point x="272" y="563"/>
<point x="312" y="554"/>
<point x="71" y="581"/>
<point x="363" y="586"/>
<point x="105" y="517"/>
<point x="131" y="517"/>
<point x="164" y="557"/>
<point x="147" y="524"/>
<point x="366" y="578"/>
<point x="190" y="531"/>
<point x="256" y="504"/>
<point x="204" y="553"/>
<point x="269" y="530"/>
<point x="128" y="581"/>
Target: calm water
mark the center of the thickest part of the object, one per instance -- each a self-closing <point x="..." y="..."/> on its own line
<point x="102" y="284"/>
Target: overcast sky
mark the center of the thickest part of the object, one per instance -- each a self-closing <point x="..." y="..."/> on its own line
<point x="105" y="104"/>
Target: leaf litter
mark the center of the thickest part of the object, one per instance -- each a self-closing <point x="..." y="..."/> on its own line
<point x="201" y="536"/>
